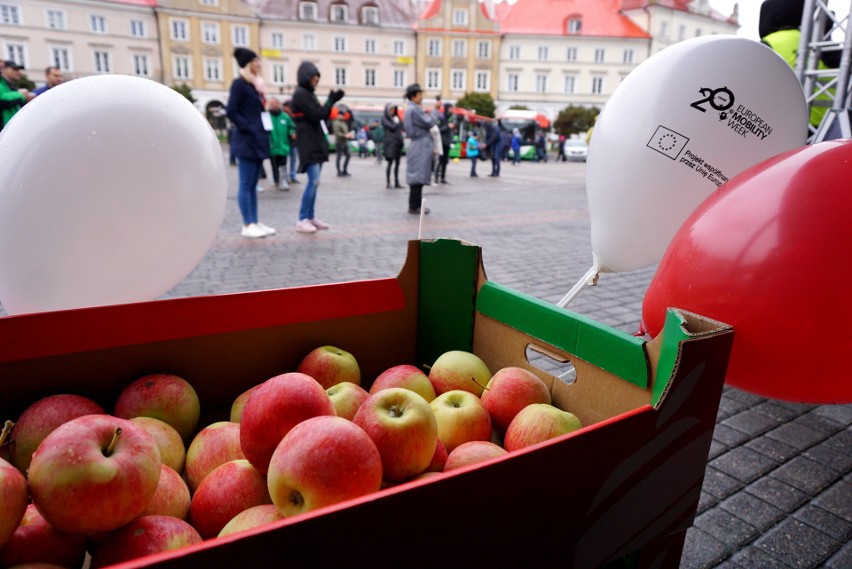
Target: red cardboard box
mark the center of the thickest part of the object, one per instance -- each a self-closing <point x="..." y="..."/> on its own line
<point x="624" y="489"/>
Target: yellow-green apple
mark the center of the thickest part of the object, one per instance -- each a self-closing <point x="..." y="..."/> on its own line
<point x="228" y="490"/>
<point x="251" y="518"/>
<point x="239" y="404"/>
<point x="14" y="494"/>
<point x="347" y="398"/>
<point x="461" y="418"/>
<point x="36" y="541"/>
<point x="169" y="442"/>
<point x="94" y="473"/>
<point x="404" y="429"/>
<point x="39" y="420"/>
<point x="213" y="446"/>
<point x="471" y="453"/>
<point x="330" y="365"/>
<point x="536" y="423"/>
<point x="407" y="377"/>
<point x="458" y="369"/>
<point x="278" y="405"/>
<point x="438" y="459"/>
<point x="323" y="461"/>
<point x="144" y="536"/>
<point x="171" y="497"/>
<point x="510" y="390"/>
<point x="164" y="396"/>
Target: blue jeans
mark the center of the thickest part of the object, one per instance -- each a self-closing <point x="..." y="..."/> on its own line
<point x="309" y="196"/>
<point x="294" y="159"/>
<point x="248" y="171"/>
<point x="473" y="165"/>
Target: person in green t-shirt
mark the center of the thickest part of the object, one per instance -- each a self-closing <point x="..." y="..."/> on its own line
<point x="282" y="134"/>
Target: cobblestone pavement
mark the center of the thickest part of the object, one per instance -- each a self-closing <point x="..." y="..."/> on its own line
<point x="778" y="488"/>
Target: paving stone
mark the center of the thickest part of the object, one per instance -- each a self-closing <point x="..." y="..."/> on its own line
<point x="796" y="435"/>
<point x="752" y="557"/>
<point x="728" y="436"/>
<point x="774" y="449"/>
<point x="841" y="414"/>
<point x="819" y="423"/>
<point x="702" y="551"/>
<point x="782" y="413"/>
<point x="842" y="441"/>
<point x="777" y="493"/>
<point x="751" y="422"/>
<point x="706" y="501"/>
<point x="805" y="474"/>
<point x="798" y="544"/>
<point x="842" y="559"/>
<point x="744" y="464"/>
<point x="825" y="521"/>
<point x="748" y="398"/>
<point x="716" y="448"/>
<point x="837" y="499"/>
<point x="718" y="484"/>
<point x="827" y="454"/>
<point x="752" y="510"/>
<point x="726" y="527"/>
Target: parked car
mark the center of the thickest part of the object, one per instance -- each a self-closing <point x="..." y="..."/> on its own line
<point x="576" y="149"/>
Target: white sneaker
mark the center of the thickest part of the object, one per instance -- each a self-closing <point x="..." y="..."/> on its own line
<point x="253" y="231"/>
<point x="283" y="186"/>
<point x="305" y="226"/>
<point x="266" y="228"/>
<point x="259" y="188"/>
<point x="319" y="224"/>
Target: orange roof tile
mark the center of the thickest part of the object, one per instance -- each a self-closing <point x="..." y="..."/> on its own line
<point x="600" y="18"/>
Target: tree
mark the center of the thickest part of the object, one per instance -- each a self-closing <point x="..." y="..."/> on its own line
<point x="574" y="120"/>
<point x="25" y="83"/>
<point x="519" y="108"/>
<point x="186" y="91"/>
<point x="481" y="103"/>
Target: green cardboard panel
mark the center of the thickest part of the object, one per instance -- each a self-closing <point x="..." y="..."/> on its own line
<point x="674" y="333"/>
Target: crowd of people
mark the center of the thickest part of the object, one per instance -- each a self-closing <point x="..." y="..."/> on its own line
<point x="12" y="96"/>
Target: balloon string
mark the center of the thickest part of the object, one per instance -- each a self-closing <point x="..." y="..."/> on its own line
<point x="422" y="214"/>
<point x="589" y="279"/>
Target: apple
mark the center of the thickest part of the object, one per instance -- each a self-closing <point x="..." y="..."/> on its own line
<point x="163" y="396"/>
<point x="330" y="365"/>
<point x="213" y="446"/>
<point x="94" y="473"/>
<point x="228" y="490"/>
<point x="36" y="541"/>
<point x="347" y="398"/>
<point x="323" y="461"/>
<point x="144" y="536"/>
<point x="404" y="429"/>
<point x="278" y="405"/>
<point x="251" y="518"/>
<point x="510" y="390"/>
<point x="169" y="442"/>
<point x="461" y="418"/>
<point x="407" y="377"/>
<point x="458" y="369"/>
<point x="471" y="453"/>
<point x="39" y="420"/>
<point x="14" y="494"/>
<point x="171" y="498"/>
<point x="536" y="423"/>
<point x="439" y="459"/>
<point x="239" y="404"/>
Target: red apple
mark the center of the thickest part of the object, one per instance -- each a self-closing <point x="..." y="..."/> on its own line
<point x="323" y="461"/>
<point x="461" y="418"/>
<point x="471" y="453"/>
<point x="239" y="404"/>
<point x="94" y="473"/>
<point x="39" y="420"/>
<point x="171" y="497"/>
<point x="228" y="490"/>
<point x="536" y="423"/>
<point x="163" y="396"/>
<point x="213" y="446"/>
<point x="459" y="370"/>
<point x="251" y="518"/>
<point x="14" y="494"/>
<point x="169" y="442"/>
<point x="144" y="536"/>
<point x="278" y="405"/>
<point x="330" y="365"/>
<point x="407" y="377"/>
<point x="510" y="390"/>
<point x="36" y="541"/>
<point x="347" y="398"/>
<point x="439" y="459"/>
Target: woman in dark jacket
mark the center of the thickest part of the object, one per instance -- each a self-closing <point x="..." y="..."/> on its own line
<point x="393" y="143"/>
<point x="249" y="140"/>
<point x="309" y="114"/>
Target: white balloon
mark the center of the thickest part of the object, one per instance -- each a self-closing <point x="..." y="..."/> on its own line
<point x="682" y="123"/>
<point x="112" y="188"/>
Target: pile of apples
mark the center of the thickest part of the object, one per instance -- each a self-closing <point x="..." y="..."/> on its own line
<point x="79" y="485"/>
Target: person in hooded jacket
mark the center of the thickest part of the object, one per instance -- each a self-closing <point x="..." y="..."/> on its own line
<point x="446" y="127"/>
<point x="418" y="161"/>
<point x="309" y="115"/>
<point x="393" y="143"/>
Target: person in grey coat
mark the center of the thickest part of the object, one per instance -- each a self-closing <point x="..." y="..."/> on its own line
<point x="416" y="124"/>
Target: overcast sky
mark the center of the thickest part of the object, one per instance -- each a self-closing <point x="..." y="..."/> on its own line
<point x="750" y="11"/>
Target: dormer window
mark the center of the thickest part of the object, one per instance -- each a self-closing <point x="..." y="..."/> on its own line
<point x="339" y="13"/>
<point x="370" y="15"/>
<point x="308" y="11"/>
<point x="575" y="24"/>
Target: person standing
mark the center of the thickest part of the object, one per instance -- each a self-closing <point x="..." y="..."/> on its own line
<point x="560" y="152"/>
<point x="362" y="138"/>
<point x="52" y="78"/>
<point x="495" y="145"/>
<point x="342" y="136"/>
<point x="393" y="143"/>
<point x="294" y="153"/>
<point x="377" y="135"/>
<point x="11" y="98"/>
<point x="309" y="116"/>
<point x="473" y="152"/>
<point x="250" y="140"/>
<point x="418" y="162"/>
<point x="516" y="147"/>
<point x="280" y="137"/>
<point x="445" y="126"/>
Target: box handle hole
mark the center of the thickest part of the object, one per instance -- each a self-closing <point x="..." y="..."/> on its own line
<point x="551" y="362"/>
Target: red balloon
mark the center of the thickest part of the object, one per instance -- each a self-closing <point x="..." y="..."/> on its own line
<point x="769" y="253"/>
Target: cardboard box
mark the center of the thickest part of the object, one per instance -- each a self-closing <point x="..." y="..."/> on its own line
<point x="626" y="486"/>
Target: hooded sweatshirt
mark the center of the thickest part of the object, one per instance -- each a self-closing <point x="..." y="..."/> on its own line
<point x="309" y="114"/>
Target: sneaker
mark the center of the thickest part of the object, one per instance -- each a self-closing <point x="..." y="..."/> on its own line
<point x="319" y="224"/>
<point x="266" y="228"/>
<point x="293" y="180"/>
<point x="259" y="188"/>
<point x="283" y="186"/>
<point x="253" y="231"/>
<point x="305" y="226"/>
<point x="444" y="181"/>
<point x="417" y="211"/>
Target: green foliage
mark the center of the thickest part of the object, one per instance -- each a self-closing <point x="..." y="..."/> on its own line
<point x="574" y="120"/>
<point x="25" y="83"/>
<point x="481" y="103"/>
<point x="519" y="108"/>
<point x="186" y="91"/>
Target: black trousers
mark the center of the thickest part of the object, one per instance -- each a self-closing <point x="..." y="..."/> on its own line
<point x="343" y="150"/>
<point x="441" y="170"/>
<point x="279" y="162"/>
<point x="393" y="162"/>
<point x="415" y="196"/>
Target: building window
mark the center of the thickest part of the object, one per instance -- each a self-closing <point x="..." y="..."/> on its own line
<point x="212" y="69"/>
<point x="433" y="78"/>
<point x="61" y="58"/>
<point x="628" y="56"/>
<point x="570" y="85"/>
<point x="340" y="76"/>
<point x="97" y="24"/>
<point x="514" y="52"/>
<point x="209" y="32"/>
<point x="398" y="78"/>
<point x="369" y="45"/>
<point x="575" y="24"/>
<point x="308" y="11"/>
<point x="459" y="48"/>
<point x="16" y="53"/>
<point x="209" y="2"/>
<point x="370" y="15"/>
<point x="600" y="55"/>
<point x="398" y="47"/>
<point x="541" y="83"/>
<point x="457" y="80"/>
<point x="483" y="81"/>
<point x="179" y="29"/>
<point x="279" y="73"/>
<point x="483" y="49"/>
<point x="543" y="52"/>
<point x="570" y="54"/>
<point x="664" y="29"/>
<point x="10" y="15"/>
<point x="240" y="35"/>
<point x="681" y="32"/>
<point x="339" y="13"/>
<point x="433" y="48"/>
<point x="137" y="28"/>
<point x="597" y="84"/>
<point x="512" y="82"/>
<point x="370" y="77"/>
<point x="140" y="65"/>
<point x="277" y="40"/>
<point x="55" y="19"/>
<point x="459" y="17"/>
<point x="309" y="42"/>
<point x="102" y="62"/>
<point x="339" y="43"/>
<point x="699" y="32"/>
<point x="182" y="68"/>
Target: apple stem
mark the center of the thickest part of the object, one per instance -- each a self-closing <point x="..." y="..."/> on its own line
<point x="427" y="366"/>
<point x="473" y="379"/>
<point x="114" y="441"/>
<point x="4" y="434"/>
